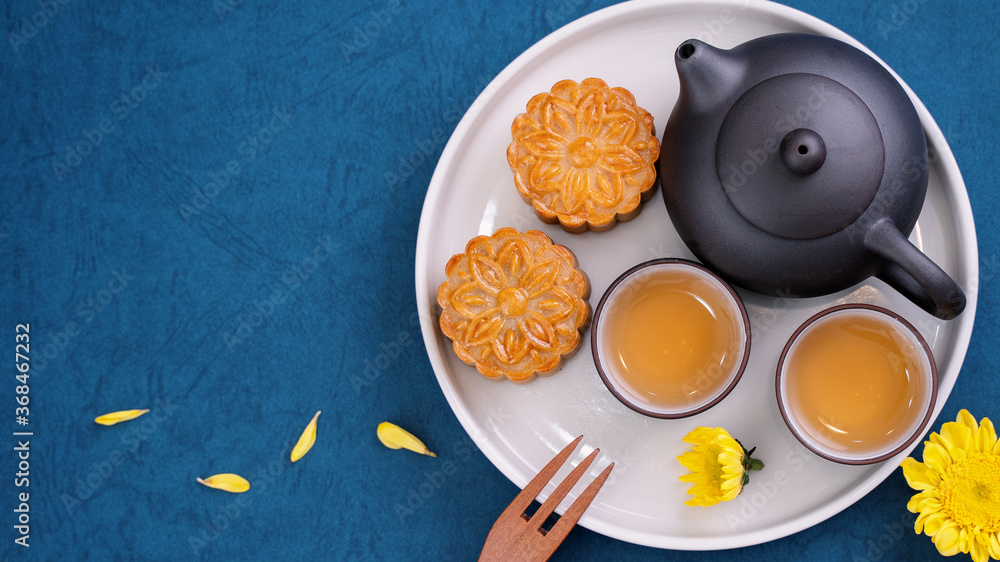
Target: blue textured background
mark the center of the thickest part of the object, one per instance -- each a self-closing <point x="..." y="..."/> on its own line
<point x="230" y="251"/>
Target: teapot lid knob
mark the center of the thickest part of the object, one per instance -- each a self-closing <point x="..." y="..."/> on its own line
<point x="802" y="151"/>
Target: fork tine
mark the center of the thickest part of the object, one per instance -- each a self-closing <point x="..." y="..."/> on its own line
<point x="575" y="511"/>
<point x="560" y="492"/>
<point x="528" y="494"/>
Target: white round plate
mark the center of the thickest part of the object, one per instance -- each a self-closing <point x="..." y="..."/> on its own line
<point x="521" y="427"/>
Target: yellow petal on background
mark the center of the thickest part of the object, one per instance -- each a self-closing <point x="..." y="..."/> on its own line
<point x="919" y="476"/>
<point x="986" y="437"/>
<point x="967" y="419"/>
<point x="306" y="440"/>
<point x="395" y="437"/>
<point x="229" y="482"/>
<point x="117" y="417"/>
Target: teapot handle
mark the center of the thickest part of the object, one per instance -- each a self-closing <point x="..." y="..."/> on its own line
<point x="913" y="274"/>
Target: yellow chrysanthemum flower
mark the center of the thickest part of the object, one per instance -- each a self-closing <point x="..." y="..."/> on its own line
<point x="719" y="465"/>
<point x="959" y="481"/>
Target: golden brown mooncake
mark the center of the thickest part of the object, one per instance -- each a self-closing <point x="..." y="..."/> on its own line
<point x="514" y="304"/>
<point x="584" y="155"/>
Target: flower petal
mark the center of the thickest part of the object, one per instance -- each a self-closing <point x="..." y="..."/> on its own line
<point x="919" y="476"/>
<point x="936" y="457"/>
<point x="395" y="437"/>
<point x="980" y="551"/>
<point x="924" y="502"/>
<point x="118" y="417"/>
<point x="956" y="438"/>
<point x="967" y="419"/>
<point x="306" y="440"/>
<point x="228" y="482"/>
<point x="699" y="463"/>
<point x="700" y="436"/>
<point x="986" y="437"/>
<point x="946" y="539"/>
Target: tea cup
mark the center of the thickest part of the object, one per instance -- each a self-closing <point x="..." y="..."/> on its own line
<point x="856" y="384"/>
<point x="670" y="338"/>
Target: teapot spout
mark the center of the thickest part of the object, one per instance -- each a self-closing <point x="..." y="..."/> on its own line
<point x="708" y="75"/>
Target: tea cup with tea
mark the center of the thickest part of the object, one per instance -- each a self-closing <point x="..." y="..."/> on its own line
<point x="856" y="384"/>
<point x="670" y="338"/>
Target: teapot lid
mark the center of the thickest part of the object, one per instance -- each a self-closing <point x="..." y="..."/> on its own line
<point x="800" y="156"/>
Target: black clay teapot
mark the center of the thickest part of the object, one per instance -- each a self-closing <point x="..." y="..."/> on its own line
<point x="796" y="165"/>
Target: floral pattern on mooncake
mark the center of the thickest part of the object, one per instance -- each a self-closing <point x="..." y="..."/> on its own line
<point x="584" y="155"/>
<point x="514" y="304"/>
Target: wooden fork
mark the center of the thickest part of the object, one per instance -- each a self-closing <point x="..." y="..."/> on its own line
<point x="516" y="537"/>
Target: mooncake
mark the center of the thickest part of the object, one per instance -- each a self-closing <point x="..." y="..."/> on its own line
<point x="584" y="155"/>
<point x="514" y="305"/>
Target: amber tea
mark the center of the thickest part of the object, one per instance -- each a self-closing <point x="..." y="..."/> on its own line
<point x="673" y="339"/>
<point x="856" y="382"/>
